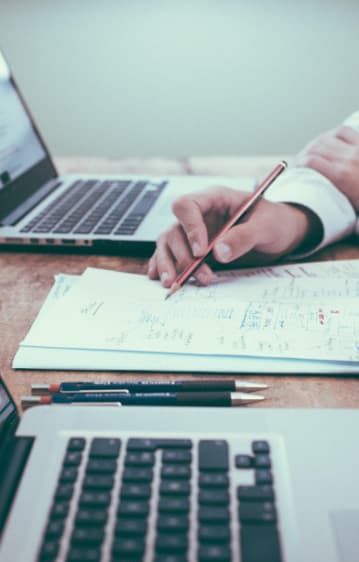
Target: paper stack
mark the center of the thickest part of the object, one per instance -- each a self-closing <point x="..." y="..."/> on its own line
<point x="298" y="318"/>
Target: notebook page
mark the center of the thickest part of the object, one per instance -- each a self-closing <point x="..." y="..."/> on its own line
<point x="117" y="311"/>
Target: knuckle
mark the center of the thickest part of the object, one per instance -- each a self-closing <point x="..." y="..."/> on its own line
<point x="340" y="130"/>
<point x="343" y="174"/>
<point x="180" y="205"/>
<point x="355" y="157"/>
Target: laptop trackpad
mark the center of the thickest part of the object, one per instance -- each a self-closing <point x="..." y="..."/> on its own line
<point x="346" y="530"/>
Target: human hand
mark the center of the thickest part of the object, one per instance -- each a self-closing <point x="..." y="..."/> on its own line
<point x="268" y="232"/>
<point x="335" y="155"/>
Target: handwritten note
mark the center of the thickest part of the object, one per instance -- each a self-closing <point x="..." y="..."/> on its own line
<point x="286" y="314"/>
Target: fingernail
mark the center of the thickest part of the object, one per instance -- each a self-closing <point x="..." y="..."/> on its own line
<point x="196" y="249"/>
<point x="223" y="252"/>
<point x="164" y="277"/>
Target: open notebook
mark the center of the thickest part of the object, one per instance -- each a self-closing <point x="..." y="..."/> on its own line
<point x="299" y="318"/>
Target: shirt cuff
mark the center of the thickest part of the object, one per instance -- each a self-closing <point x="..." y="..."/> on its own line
<point x="308" y="188"/>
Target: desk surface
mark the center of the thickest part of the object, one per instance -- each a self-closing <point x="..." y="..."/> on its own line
<point x="26" y="278"/>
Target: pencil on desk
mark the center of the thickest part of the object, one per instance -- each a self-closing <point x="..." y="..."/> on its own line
<point x="183" y="277"/>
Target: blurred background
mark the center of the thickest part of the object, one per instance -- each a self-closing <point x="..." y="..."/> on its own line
<point x="172" y="78"/>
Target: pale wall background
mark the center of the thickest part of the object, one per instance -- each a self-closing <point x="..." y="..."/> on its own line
<point x="173" y="78"/>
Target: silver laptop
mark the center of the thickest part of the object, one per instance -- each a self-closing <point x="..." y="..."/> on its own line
<point x="39" y="208"/>
<point x="179" y="484"/>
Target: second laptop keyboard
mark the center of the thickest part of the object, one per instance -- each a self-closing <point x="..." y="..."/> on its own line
<point x="164" y="500"/>
<point x="98" y="207"/>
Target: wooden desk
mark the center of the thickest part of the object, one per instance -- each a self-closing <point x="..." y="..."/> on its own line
<point x="25" y="280"/>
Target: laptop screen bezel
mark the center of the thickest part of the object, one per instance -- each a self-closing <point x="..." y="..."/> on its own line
<point x="23" y="187"/>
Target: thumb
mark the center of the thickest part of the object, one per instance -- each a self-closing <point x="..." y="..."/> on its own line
<point x="236" y="243"/>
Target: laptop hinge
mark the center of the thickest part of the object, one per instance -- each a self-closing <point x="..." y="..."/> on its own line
<point x="16" y="457"/>
<point x="17" y="214"/>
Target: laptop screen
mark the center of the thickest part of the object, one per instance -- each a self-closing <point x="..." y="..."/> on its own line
<point x="20" y="148"/>
<point x="25" y="164"/>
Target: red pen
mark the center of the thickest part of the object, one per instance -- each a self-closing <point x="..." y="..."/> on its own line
<point x="246" y="206"/>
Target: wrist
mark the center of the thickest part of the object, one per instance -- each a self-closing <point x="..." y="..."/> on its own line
<point x="307" y="229"/>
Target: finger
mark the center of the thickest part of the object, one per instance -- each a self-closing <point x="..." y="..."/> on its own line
<point x="238" y="241"/>
<point x="152" y="270"/>
<point x="191" y="211"/>
<point x="322" y="164"/>
<point x="182" y="254"/>
<point x="347" y="135"/>
<point x="328" y="147"/>
<point x="164" y="262"/>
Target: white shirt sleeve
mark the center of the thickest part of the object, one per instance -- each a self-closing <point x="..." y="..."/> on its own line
<point x="306" y="187"/>
<point x="353" y="122"/>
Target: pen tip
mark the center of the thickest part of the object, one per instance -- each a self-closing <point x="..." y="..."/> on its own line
<point x="174" y="288"/>
<point x="238" y="398"/>
<point x="248" y="386"/>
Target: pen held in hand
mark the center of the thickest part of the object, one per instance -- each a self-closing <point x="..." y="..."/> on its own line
<point x="183" y="277"/>
<point x="145" y="399"/>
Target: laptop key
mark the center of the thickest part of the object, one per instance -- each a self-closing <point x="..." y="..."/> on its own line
<point x="87" y="535"/>
<point x="69" y="474"/>
<point x="171" y="557"/>
<point x="49" y="550"/>
<point x="133" y="508"/>
<point x="208" y="480"/>
<point x="59" y="510"/>
<point x="76" y="444"/>
<point x="260" y="447"/>
<point x="216" y="552"/>
<point x="213" y="496"/>
<point x="169" y="504"/>
<point x="55" y="529"/>
<point x="140" y="458"/>
<point x="84" y="554"/>
<point x="133" y="474"/>
<point x="209" y="514"/>
<point x="175" y="487"/>
<point x="132" y="527"/>
<point x="73" y="458"/>
<point x="263" y="476"/>
<point x="105" y="448"/>
<point x="174" y="443"/>
<point x="167" y="542"/>
<point x="243" y="461"/>
<point x="107" y="466"/>
<point x="255" y="493"/>
<point x="176" y="471"/>
<point x="172" y="523"/>
<point x="123" y="547"/>
<point x="88" y="516"/>
<point x="98" y="482"/>
<point x="259" y="542"/>
<point x="136" y="491"/>
<point x="214" y="533"/>
<point x="213" y="455"/>
<point x="259" y="512"/>
<point x="64" y="492"/>
<point x="95" y="499"/>
<point x="262" y="461"/>
<point x="176" y="456"/>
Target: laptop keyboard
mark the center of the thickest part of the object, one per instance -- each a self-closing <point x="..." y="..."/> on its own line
<point x="164" y="500"/>
<point x="98" y="207"/>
